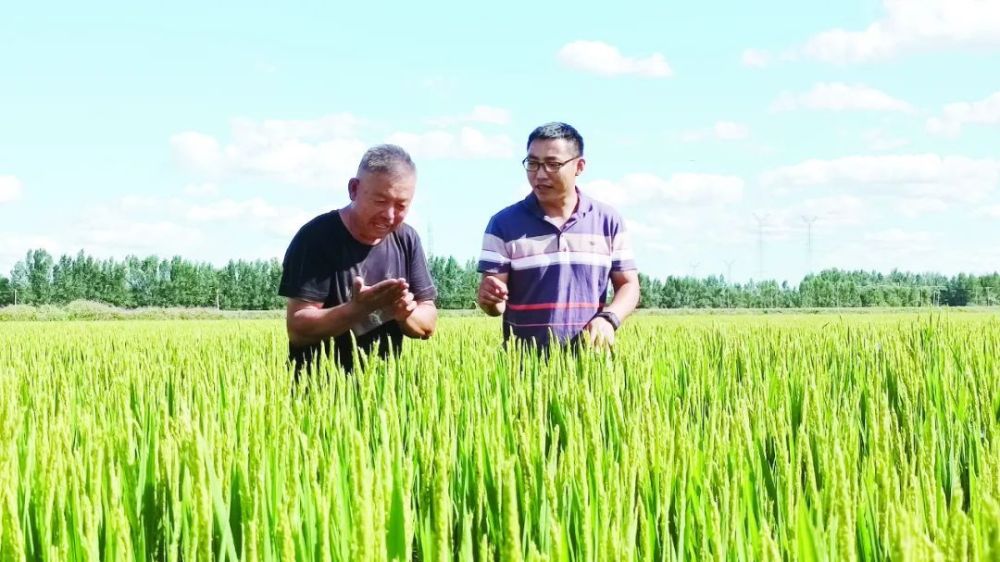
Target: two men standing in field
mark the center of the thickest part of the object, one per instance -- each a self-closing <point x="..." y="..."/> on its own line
<point x="359" y="274"/>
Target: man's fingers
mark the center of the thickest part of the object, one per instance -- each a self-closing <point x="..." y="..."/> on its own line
<point x="406" y="298"/>
<point x="390" y="284"/>
<point x="497" y="286"/>
<point x="490" y="297"/>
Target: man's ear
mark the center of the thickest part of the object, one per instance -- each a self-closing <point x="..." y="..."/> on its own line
<point x="581" y="164"/>
<point x="352" y="187"/>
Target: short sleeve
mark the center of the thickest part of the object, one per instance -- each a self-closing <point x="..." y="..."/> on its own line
<point x="494" y="256"/>
<point x="305" y="272"/>
<point x="418" y="276"/>
<point x="622" y="256"/>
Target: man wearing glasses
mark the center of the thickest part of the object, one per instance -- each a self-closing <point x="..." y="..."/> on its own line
<point x="547" y="259"/>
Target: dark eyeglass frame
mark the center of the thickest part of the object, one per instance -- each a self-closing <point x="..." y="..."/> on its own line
<point x="550" y="167"/>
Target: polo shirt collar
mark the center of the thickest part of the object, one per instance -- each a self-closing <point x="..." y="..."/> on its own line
<point x="584" y="205"/>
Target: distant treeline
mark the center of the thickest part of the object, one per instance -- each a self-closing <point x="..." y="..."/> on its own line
<point x="40" y="279"/>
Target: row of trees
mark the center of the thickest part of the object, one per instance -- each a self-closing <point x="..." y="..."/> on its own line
<point x="252" y="285"/>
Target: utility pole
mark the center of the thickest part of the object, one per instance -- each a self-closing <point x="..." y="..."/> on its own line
<point x="694" y="269"/>
<point x="761" y="221"/>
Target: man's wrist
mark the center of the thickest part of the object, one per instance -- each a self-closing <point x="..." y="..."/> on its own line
<point x="611" y="318"/>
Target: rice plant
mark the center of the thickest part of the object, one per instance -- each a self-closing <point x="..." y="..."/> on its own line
<point x="700" y="438"/>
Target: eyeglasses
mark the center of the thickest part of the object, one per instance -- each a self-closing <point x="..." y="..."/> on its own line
<point x="550" y="167"/>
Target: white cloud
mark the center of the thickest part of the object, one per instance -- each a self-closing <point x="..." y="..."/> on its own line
<point x="955" y="115"/>
<point x="911" y="25"/>
<point x="898" y="238"/>
<point x="201" y="189"/>
<point x="14" y="246"/>
<point x="255" y="212"/>
<point x="722" y="130"/>
<point x="838" y="211"/>
<point x="990" y="212"/>
<point x="601" y="58"/>
<point x="879" y="141"/>
<point x="10" y="189"/>
<point x="680" y="189"/>
<point x="949" y="178"/>
<point x="756" y="58"/>
<point x="480" y="114"/>
<point x="197" y="152"/>
<point x="920" y="206"/>
<point x="468" y="143"/>
<point x="320" y="152"/>
<point x="840" y="97"/>
<point x="126" y="236"/>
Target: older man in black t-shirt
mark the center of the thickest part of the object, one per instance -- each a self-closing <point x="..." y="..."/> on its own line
<point x="360" y="271"/>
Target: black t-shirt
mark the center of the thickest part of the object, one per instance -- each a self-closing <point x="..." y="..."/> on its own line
<point x="320" y="265"/>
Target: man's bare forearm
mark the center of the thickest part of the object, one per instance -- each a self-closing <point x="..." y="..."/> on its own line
<point x="625" y="300"/>
<point x="311" y="325"/>
<point x="422" y="322"/>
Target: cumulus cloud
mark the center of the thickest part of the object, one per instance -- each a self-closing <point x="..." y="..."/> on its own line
<point x="467" y="143"/>
<point x="948" y="178"/>
<point x="10" y="189"/>
<point x="755" y="58"/>
<point x="679" y="189"/>
<point x="320" y="152"/>
<point x="255" y="212"/>
<point x="597" y="57"/>
<point x="958" y="114"/>
<point x="840" y="97"/>
<point x="911" y="26"/>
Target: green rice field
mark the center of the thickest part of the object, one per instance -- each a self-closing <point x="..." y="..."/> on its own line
<point x="751" y="437"/>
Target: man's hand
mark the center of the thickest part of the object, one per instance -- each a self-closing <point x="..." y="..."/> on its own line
<point x="600" y="332"/>
<point x="404" y="307"/>
<point x="492" y="294"/>
<point x="379" y="296"/>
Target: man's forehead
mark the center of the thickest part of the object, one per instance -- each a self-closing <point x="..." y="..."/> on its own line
<point x="389" y="183"/>
<point x="550" y="148"/>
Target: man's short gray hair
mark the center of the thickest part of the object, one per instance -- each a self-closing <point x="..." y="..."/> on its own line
<point x="386" y="159"/>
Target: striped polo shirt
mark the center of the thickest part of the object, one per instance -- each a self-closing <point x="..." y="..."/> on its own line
<point x="558" y="277"/>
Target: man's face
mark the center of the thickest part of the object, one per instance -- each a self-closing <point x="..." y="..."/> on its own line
<point x="380" y="201"/>
<point x="553" y="186"/>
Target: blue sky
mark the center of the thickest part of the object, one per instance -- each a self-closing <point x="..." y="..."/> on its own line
<point x="215" y="131"/>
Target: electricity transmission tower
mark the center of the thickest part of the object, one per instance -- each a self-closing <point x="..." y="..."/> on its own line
<point x="809" y="220"/>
